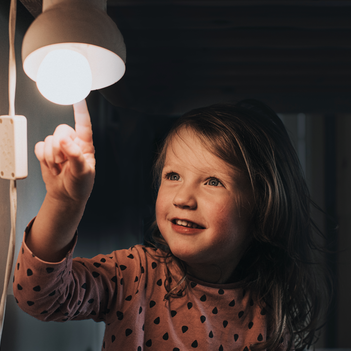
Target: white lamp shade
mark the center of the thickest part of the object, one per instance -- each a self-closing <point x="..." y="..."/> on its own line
<point x="81" y="26"/>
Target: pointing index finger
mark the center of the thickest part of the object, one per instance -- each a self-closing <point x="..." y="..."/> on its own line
<point x="82" y="121"/>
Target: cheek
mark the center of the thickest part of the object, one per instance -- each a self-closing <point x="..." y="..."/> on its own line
<point x="230" y="218"/>
<point x="160" y="207"/>
<point x="225" y="210"/>
<point x="160" y="196"/>
<point x="221" y="221"/>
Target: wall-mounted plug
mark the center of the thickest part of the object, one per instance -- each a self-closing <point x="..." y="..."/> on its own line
<point x="13" y="147"/>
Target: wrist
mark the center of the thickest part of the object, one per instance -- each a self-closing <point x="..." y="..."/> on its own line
<point x="54" y="228"/>
<point x="64" y="205"/>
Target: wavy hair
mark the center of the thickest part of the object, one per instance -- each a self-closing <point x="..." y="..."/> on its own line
<point x="283" y="269"/>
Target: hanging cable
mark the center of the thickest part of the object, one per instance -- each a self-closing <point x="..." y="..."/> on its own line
<point x="13" y="190"/>
<point x="12" y="57"/>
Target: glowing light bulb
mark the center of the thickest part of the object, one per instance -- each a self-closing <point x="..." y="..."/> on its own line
<point x="64" y="77"/>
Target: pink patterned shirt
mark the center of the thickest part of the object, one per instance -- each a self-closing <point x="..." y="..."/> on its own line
<point x="126" y="290"/>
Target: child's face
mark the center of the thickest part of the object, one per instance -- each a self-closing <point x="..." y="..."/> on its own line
<point x="202" y="208"/>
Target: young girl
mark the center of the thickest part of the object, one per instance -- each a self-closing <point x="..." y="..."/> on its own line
<point x="232" y="266"/>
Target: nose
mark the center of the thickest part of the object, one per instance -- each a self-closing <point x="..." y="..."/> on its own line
<point x="185" y="198"/>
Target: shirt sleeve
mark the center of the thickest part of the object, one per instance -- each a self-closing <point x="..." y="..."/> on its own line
<point x="76" y="288"/>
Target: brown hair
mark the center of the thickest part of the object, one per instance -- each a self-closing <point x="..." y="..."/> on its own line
<point x="283" y="270"/>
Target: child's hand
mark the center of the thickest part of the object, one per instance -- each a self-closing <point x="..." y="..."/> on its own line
<point x="67" y="159"/>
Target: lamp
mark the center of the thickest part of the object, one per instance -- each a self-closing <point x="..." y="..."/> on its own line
<point x="73" y="47"/>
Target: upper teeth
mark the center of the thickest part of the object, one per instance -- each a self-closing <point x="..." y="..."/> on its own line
<point x="186" y="223"/>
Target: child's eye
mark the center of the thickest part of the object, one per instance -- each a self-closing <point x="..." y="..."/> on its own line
<point x="172" y="176"/>
<point x="214" y="182"/>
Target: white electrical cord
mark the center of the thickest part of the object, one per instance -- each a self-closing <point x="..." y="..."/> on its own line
<point x="13" y="190"/>
<point x="12" y="57"/>
<point x="11" y="252"/>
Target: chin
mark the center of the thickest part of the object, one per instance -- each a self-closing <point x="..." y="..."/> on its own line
<point x="186" y="254"/>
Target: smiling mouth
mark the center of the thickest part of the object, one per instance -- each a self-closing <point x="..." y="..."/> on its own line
<point x="188" y="224"/>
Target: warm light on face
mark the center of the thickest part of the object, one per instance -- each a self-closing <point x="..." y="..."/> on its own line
<point x="64" y="77"/>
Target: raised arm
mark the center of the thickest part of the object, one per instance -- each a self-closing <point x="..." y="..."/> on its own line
<point x="68" y="168"/>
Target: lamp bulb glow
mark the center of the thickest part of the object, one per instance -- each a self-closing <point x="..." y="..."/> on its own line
<point x="64" y="77"/>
